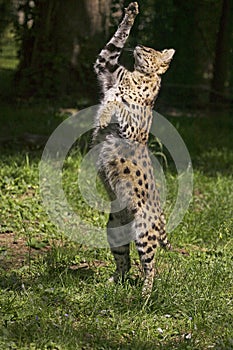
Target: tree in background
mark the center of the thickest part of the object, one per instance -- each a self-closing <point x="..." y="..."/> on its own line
<point x="59" y="43"/>
<point x="221" y="67"/>
<point x="4" y="10"/>
<point x="6" y="18"/>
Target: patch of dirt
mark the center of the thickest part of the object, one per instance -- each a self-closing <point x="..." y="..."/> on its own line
<point x="15" y="251"/>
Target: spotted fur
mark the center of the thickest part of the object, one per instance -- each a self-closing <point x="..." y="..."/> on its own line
<point x="122" y="125"/>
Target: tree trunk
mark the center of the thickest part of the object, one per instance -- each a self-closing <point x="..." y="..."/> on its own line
<point x="59" y="49"/>
<point x="222" y="55"/>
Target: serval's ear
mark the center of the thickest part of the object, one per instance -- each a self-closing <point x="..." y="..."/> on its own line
<point x="166" y="56"/>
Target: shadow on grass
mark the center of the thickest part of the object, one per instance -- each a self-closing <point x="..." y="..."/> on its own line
<point x="209" y="139"/>
<point x="14" y="281"/>
<point x="56" y="309"/>
<point x="6" y="86"/>
<point x="53" y="336"/>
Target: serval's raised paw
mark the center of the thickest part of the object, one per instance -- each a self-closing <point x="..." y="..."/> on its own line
<point x="132" y="11"/>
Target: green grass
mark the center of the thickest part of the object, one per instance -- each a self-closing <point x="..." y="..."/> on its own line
<point x="54" y="291"/>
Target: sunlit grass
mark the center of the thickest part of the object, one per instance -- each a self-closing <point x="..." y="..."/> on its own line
<point x="60" y="298"/>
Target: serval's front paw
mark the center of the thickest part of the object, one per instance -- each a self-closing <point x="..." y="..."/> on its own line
<point x="131" y="11"/>
<point x="104" y="120"/>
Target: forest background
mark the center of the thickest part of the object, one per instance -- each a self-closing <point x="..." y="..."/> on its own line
<point x="57" y="43"/>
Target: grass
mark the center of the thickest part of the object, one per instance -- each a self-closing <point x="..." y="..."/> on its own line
<point x="54" y="291"/>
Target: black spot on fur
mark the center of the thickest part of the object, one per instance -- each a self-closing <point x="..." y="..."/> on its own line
<point x="111" y="67"/>
<point x="126" y="170"/>
<point x="111" y="47"/>
<point x="141" y="244"/>
<point x="149" y="250"/>
<point x="101" y="59"/>
<point x="152" y="238"/>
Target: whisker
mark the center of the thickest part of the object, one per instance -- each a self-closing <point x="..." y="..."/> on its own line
<point x="128" y="49"/>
